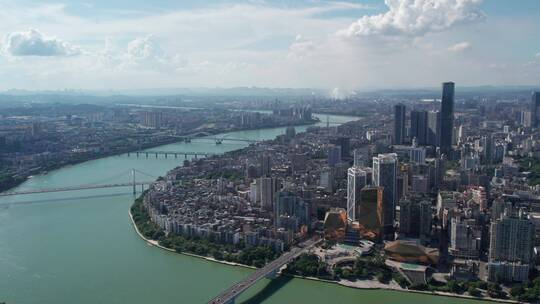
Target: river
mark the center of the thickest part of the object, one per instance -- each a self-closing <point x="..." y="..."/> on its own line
<point x="80" y="247"/>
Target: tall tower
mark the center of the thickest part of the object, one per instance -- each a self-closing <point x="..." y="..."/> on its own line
<point x="434" y="128"/>
<point x="385" y="175"/>
<point x="399" y="124"/>
<point x="535" y="103"/>
<point x="356" y="180"/>
<point x="265" y="163"/>
<point x="419" y="126"/>
<point x="447" y="116"/>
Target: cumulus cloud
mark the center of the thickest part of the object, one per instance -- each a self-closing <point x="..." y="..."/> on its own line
<point x="416" y="18"/>
<point x="34" y="43"/>
<point x="300" y="48"/>
<point x="460" y="47"/>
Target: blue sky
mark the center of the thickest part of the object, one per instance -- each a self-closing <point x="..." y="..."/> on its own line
<point x="350" y="45"/>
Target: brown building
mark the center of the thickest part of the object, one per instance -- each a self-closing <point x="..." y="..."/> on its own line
<point x="370" y="212"/>
<point x="335" y="224"/>
<point x="411" y="252"/>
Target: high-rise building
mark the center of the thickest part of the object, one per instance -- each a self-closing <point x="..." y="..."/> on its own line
<point x="370" y="212"/>
<point x="334" y="155"/>
<point x="268" y="188"/>
<point x="465" y="238"/>
<point x="434" y="128"/>
<point x="361" y="156"/>
<point x="511" y="248"/>
<point x="419" y="126"/>
<point x="417" y="155"/>
<point x="419" y="184"/>
<point x="356" y="180"/>
<point x="512" y="239"/>
<point x="344" y="143"/>
<point x="327" y="179"/>
<point x="290" y="211"/>
<point x="153" y="119"/>
<point x="265" y="163"/>
<point x="535" y="114"/>
<point x="399" y="124"/>
<point x="415" y="218"/>
<point x="385" y="175"/>
<point x="447" y="117"/>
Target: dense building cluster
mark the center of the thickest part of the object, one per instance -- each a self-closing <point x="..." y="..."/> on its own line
<point x="37" y="138"/>
<point x="447" y="183"/>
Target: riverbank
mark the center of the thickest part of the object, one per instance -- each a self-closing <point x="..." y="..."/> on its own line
<point x="156" y="244"/>
<point x="359" y="284"/>
<point x="85" y="158"/>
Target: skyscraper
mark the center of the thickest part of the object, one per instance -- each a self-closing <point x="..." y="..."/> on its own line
<point x="447" y="117"/>
<point x="385" y="175"/>
<point x="268" y="188"/>
<point x="344" y="143"/>
<point x="419" y="126"/>
<point x="433" y="135"/>
<point x="265" y="165"/>
<point x="334" y="155"/>
<point x="356" y="180"/>
<point x="415" y="218"/>
<point x="399" y="124"/>
<point x="535" y="114"/>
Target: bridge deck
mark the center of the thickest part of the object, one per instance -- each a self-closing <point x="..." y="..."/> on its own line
<point x="228" y="295"/>
<point x="83" y="187"/>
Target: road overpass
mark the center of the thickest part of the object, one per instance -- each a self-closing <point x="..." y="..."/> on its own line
<point x="229" y="295"/>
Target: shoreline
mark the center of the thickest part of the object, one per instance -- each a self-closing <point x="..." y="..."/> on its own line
<point x="155" y="243"/>
<point x="362" y="285"/>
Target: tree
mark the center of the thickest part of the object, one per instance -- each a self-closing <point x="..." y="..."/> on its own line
<point x="474" y="292"/>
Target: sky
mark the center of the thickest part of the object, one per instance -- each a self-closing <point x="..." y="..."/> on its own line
<point x="340" y="46"/>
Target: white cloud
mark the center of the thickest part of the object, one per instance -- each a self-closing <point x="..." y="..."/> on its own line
<point x="460" y="47"/>
<point x="416" y="18"/>
<point x="537" y="55"/>
<point x="34" y="43"/>
<point x="301" y="48"/>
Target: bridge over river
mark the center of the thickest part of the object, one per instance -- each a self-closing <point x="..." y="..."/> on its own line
<point x="229" y="295"/>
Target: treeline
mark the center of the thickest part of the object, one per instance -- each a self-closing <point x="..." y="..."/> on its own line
<point x="307" y="265"/>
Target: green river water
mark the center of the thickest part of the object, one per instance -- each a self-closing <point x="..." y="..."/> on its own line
<point x="80" y="246"/>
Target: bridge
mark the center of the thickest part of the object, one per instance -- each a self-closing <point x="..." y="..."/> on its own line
<point x="133" y="184"/>
<point x="172" y="153"/>
<point x="229" y="295"/>
<point x="218" y="140"/>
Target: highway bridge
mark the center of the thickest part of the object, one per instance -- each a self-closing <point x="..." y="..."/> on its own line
<point x="229" y="295"/>
<point x="218" y="140"/>
<point x="171" y="153"/>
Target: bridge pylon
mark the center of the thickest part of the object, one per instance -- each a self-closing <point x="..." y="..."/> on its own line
<point x="134" y="182"/>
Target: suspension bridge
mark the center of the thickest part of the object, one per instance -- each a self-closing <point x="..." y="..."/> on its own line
<point x="133" y="183"/>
